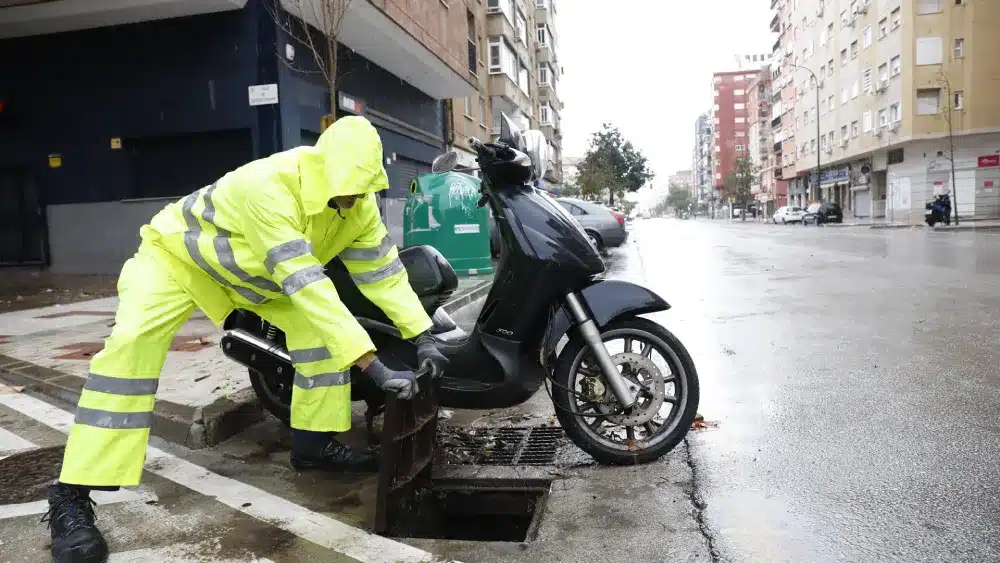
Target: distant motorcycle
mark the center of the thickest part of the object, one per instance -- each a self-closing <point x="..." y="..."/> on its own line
<point x="938" y="210"/>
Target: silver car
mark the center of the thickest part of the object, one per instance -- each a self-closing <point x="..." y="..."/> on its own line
<point x="605" y="227"/>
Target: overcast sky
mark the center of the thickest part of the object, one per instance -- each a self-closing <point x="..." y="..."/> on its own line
<point x="646" y="66"/>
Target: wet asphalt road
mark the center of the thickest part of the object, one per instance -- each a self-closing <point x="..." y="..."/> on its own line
<point x="854" y="376"/>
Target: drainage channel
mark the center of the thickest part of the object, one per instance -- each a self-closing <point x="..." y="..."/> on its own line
<point x="412" y="504"/>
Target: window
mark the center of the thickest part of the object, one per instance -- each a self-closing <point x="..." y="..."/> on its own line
<point x="482" y="110"/>
<point x="502" y="60"/>
<point x="897" y="18"/>
<point x="843" y="132"/>
<point x="830" y="103"/>
<point x="929" y="51"/>
<point x="854" y="49"/>
<point x="822" y="37"/>
<point x="829" y="68"/>
<point x="739" y="106"/>
<point x="739" y="148"/>
<point x="844" y="95"/>
<point x="867" y="80"/>
<point x="545" y="114"/>
<point x="542" y="35"/>
<point x="959" y="48"/>
<point x="894" y="64"/>
<point x="739" y="92"/>
<point x="543" y="74"/>
<point x="855" y="129"/>
<point x="928" y="101"/>
<point x="741" y="134"/>
<point x="883" y="72"/>
<point x="959" y="2"/>
<point x="867" y="37"/>
<point x="470" y="21"/>
<point x="521" y="27"/>
<point x="504" y="6"/>
<point x="822" y="71"/>
<point x="867" y="121"/>
<point x="855" y="89"/>
<point x="523" y="79"/>
<point x="468" y="107"/>
<point x="843" y="57"/>
<point x="812" y="145"/>
<point x="740" y="120"/>
<point x="895" y="113"/>
<point x="883" y="27"/>
<point x="854" y="6"/>
<point x="928" y="6"/>
<point x="883" y="118"/>
<point x="717" y="149"/>
<point x="959" y="99"/>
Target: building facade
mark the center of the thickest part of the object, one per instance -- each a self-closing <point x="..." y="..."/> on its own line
<point x="731" y="124"/>
<point x="701" y="164"/>
<point x="893" y="77"/>
<point x="106" y="120"/>
<point x="524" y="72"/>
<point x="761" y="140"/>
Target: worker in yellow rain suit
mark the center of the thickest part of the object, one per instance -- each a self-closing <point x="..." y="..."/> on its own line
<point x="256" y="239"/>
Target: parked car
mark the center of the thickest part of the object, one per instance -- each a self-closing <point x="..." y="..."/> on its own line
<point x="820" y="213"/>
<point x="605" y="227"/>
<point x="788" y="214"/>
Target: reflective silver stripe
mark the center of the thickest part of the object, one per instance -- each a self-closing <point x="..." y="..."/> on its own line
<point x="368" y="254"/>
<point x="302" y="278"/>
<point x="121" y="385"/>
<point x="113" y="420"/>
<point x="286" y="251"/>
<point x="224" y="248"/>
<point x="191" y="243"/>
<point x="310" y="355"/>
<point x="322" y="380"/>
<point x="375" y="276"/>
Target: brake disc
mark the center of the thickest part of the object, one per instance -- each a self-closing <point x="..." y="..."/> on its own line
<point x="649" y="404"/>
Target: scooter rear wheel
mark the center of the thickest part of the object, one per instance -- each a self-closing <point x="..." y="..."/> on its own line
<point x="585" y="413"/>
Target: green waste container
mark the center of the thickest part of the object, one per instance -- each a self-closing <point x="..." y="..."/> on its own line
<point x="441" y="212"/>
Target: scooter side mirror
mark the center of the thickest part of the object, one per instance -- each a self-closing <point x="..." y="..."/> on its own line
<point x="445" y="162"/>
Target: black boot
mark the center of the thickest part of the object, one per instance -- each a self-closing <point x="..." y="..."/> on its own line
<point x="75" y="538"/>
<point x="331" y="455"/>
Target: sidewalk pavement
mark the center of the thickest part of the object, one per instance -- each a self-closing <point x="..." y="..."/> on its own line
<point x="203" y="397"/>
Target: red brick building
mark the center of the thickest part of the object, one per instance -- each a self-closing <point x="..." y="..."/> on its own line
<point x="732" y="118"/>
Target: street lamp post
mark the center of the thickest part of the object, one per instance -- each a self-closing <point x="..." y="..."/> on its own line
<point x="819" y="128"/>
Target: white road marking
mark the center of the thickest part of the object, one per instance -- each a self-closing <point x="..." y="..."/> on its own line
<point x="10" y="442"/>
<point x="100" y="497"/>
<point x="284" y="514"/>
<point x="178" y="553"/>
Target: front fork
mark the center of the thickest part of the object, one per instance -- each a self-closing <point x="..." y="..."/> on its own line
<point x="592" y="336"/>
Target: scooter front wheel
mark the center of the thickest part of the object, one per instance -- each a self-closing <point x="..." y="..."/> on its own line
<point x="659" y="372"/>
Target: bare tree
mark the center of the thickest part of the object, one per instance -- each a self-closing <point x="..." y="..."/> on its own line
<point x="300" y="20"/>
<point x="949" y="116"/>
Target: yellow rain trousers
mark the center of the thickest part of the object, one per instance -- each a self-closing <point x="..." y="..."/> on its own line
<point x="257" y="239"/>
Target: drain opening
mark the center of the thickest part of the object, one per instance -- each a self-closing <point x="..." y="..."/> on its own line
<point x="488" y="510"/>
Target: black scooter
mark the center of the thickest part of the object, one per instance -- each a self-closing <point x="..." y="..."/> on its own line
<point x="624" y="388"/>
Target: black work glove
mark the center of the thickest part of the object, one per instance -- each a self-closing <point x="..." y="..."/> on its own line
<point x="428" y="356"/>
<point x="404" y="383"/>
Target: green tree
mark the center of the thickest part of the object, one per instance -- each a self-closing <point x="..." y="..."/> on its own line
<point x="614" y="164"/>
<point x="679" y="199"/>
<point x="739" y="185"/>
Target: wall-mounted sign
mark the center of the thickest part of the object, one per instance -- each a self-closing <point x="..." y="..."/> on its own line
<point x="55" y="160"/>
<point x="989" y="161"/>
<point x="263" y="94"/>
<point x="350" y="104"/>
<point x="988" y="184"/>
<point x="116" y="143"/>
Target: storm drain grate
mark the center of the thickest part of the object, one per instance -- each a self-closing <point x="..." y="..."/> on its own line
<point x="510" y="446"/>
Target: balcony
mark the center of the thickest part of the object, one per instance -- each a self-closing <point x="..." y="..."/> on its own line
<point x="497" y="25"/>
<point x="508" y="95"/>
<point x="776" y="148"/>
<point x="776" y="23"/>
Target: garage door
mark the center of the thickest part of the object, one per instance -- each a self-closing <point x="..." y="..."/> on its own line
<point x="402" y="172"/>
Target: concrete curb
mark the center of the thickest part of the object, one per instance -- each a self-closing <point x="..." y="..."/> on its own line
<point x="191" y="427"/>
<point x="468" y="297"/>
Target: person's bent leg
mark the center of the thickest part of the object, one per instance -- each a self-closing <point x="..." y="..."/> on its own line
<point x="107" y="443"/>
<point x="321" y="398"/>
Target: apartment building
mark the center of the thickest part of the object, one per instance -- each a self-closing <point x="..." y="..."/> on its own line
<point x="522" y="73"/>
<point x="730" y="124"/>
<point x="893" y="77"/>
<point x="783" y="101"/>
<point x="761" y="141"/>
<point x="471" y="116"/>
<point x="701" y="163"/>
